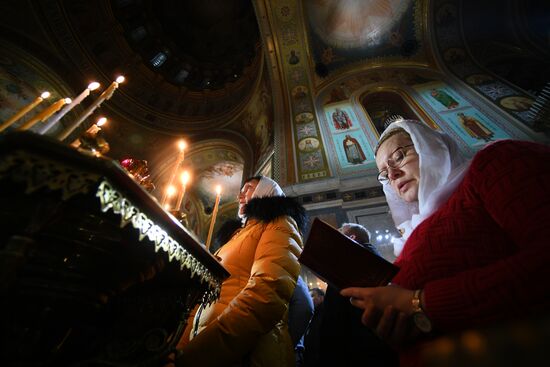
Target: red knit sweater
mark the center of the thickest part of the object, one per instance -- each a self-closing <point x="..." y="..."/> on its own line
<point x="483" y="256"/>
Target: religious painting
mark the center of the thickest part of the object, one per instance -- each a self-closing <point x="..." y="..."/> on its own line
<point x="353" y="149"/>
<point x="441" y="97"/>
<point x="348" y="138"/>
<point x="308" y="144"/>
<point x="299" y="92"/>
<point x="303" y="117"/>
<point x="474" y="128"/>
<point x="227" y="174"/>
<point x="293" y="58"/>
<point x="340" y="117"/>
<point x="210" y="167"/>
<point x="516" y="103"/>
<point x="338" y="93"/>
<point x="342" y="32"/>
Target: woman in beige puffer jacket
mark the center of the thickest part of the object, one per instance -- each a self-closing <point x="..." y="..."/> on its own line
<point x="248" y="325"/>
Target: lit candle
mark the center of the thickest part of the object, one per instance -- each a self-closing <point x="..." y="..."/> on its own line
<point x="24" y="111"/>
<point x="92" y="86"/>
<point x="214" y="213"/>
<point x="179" y="160"/>
<point x="107" y="93"/>
<point x="93" y="130"/>
<point x="44" y="115"/>
<point x="184" y="180"/>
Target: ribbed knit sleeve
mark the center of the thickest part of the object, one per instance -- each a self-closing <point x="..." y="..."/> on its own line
<point x="510" y="180"/>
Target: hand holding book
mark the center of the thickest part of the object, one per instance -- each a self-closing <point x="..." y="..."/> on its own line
<point x="342" y="262"/>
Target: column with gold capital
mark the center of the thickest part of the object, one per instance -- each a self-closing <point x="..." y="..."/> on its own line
<point x="106" y="95"/>
<point x="44" y="115"/>
<point x="214" y="214"/>
<point x="24" y="111"/>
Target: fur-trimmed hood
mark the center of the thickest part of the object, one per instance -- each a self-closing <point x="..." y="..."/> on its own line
<point x="267" y="209"/>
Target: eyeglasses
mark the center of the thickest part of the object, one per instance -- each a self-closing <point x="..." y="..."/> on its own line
<point x="397" y="160"/>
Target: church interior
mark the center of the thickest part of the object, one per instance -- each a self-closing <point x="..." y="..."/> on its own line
<point x="299" y="91"/>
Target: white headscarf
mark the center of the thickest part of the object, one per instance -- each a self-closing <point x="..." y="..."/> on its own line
<point x="442" y="168"/>
<point x="266" y="188"/>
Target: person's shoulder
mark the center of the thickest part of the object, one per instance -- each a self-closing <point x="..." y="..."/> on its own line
<point x="505" y="151"/>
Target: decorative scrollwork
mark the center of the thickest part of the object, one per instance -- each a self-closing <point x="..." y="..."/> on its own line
<point x="38" y="172"/>
<point x="112" y="199"/>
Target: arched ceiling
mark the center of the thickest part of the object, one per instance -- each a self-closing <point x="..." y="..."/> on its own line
<point x="191" y="65"/>
<point x="196" y="44"/>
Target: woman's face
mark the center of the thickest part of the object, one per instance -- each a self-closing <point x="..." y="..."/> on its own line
<point x="246" y="193"/>
<point x="405" y="179"/>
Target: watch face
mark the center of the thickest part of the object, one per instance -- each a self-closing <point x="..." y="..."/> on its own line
<point x="422" y="322"/>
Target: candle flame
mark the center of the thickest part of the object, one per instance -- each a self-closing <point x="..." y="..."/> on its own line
<point x="93" y="85"/>
<point x="68" y="100"/>
<point x="101" y="121"/>
<point x="185" y="177"/>
<point x="120" y="79"/>
<point x="182" y="144"/>
<point x="45" y="95"/>
<point x="171" y="190"/>
<point x="218" y="189"/>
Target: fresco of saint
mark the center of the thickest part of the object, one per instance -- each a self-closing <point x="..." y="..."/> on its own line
<point x="444" y="98"/>
<point x="341" y="120"/>
<point x="474" y="127"/>
<point x="353" y="150"/>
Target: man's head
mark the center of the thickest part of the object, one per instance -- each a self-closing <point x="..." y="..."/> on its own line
<point x="317" y="295"/>
<point x="356" y="232"/>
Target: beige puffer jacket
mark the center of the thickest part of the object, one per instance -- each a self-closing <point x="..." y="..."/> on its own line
<point x="248" y="325"/>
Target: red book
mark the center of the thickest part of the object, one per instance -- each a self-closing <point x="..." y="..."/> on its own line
<point x="343" y="262"/>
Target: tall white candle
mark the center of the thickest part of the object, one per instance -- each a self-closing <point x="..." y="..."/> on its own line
<point x="214" y="214"/>
<point x="22" y="112"/>
<point x="45" y="114"/>
<point x="92" y="86"/>
<point x="107" y="93"/>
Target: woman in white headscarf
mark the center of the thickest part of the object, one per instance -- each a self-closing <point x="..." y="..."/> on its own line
<point x="248" y="325"/>
<point x="474" y="246"/>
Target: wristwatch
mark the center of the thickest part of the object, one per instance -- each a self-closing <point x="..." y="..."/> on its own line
<point x="420" y="319"/>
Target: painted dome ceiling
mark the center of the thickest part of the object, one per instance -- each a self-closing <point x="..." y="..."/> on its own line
<point x="190" y="65"/>
<point x="196" y="44"/>
<point x="349" y="32"/>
